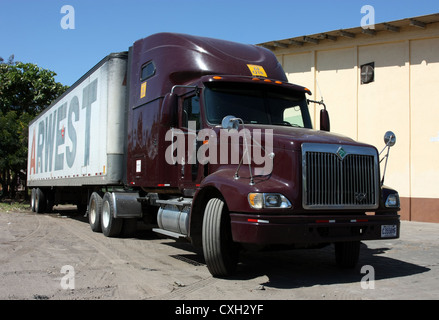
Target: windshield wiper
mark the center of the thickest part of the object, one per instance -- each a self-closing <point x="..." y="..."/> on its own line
<point x="286" y="123"/>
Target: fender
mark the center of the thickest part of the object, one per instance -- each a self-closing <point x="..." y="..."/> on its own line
<point x="221" y="183"/>
<point x="235" y="191"/>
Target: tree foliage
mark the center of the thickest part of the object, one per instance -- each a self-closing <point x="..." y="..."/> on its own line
<point x="25" y="90"/>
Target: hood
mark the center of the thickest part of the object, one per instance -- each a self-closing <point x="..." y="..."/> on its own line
<point x="291" y="138"/>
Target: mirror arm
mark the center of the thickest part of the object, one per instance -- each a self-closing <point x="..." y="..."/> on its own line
<point x="385" y="164"/>
<point x="318" y="102"/>
<point x="183" y="86"/>
<point x="231" y="122"/>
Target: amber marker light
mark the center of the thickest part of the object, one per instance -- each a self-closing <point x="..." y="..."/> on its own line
<point x="217" y="77"/>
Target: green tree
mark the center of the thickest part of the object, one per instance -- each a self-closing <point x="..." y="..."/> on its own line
<point x="25" y="90"/>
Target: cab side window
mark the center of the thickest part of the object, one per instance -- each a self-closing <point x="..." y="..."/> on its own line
<point x="191" y="111"/>
<point x="148" y="70"/>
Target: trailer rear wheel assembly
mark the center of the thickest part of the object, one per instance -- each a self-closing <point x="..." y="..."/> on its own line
<point x="32" y="200"/>
<point x="40" y="201"/>
<point x="220" y="252"/>
<point x="111" y="226"/>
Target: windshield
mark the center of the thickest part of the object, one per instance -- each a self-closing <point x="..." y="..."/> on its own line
<point x="253" y="106"/>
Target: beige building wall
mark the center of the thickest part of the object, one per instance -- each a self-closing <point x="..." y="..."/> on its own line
<point x="335" y="82"/>
<point x="424" y="115"/>
<point x="403" y="98"/>
<point x="384" y="105"/>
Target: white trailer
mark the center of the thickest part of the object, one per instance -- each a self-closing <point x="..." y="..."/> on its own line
<point x="80" y="140"/>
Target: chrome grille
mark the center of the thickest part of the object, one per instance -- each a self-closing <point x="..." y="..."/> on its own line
<point x="336" y="176"/>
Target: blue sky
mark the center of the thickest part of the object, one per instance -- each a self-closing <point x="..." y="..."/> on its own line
<point x="31" y="29"/>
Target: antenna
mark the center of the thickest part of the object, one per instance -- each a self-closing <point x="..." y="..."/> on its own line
<point x="320" y="91"/>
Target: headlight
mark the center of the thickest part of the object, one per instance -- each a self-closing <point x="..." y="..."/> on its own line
<point x="268" y="200"/>
<point x="392" y="200"/>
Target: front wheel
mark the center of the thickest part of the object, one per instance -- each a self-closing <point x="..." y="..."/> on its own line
<point x="220" y="252"/>
<point x="347" y="253"/>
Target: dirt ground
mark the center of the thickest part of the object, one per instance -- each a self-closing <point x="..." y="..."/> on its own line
<point x="57" y="256"/>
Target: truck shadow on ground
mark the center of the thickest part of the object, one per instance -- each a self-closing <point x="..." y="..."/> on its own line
<point x="310" y="267"/>
<point x="289" y="269"/>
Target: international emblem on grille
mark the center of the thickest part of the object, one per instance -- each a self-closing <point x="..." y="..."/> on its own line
<point x="341" y="153"/>
<point x="360" y="196"/>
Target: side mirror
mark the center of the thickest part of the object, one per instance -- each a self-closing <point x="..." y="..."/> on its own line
<point x="169" y="109"/>
<point x="230" y="122"/>
<point x="324" y="120"/>
<point x="324" y="115"/>
<point x="389" y="139"/>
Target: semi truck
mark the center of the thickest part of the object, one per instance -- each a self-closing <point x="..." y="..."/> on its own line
<point x="208" y="142"/>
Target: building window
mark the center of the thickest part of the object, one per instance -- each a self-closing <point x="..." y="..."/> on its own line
<point x="368" y="73"/>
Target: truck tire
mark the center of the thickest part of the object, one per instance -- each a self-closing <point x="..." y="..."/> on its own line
<point x="111" y="226"/>
<point x="220" y="252"/>
<point x="40" y="201"/>
<point x="347" y="254"/>
<point x="95" y="212"/>
<point x="32" y="199"/>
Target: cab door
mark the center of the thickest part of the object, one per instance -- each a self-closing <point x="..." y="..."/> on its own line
<point x="189" y="169"/>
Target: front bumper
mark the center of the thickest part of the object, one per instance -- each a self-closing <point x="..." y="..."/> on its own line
<point x="269" y="229"/>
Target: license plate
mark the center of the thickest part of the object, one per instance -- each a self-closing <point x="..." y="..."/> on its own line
<point x="388" y="231"/>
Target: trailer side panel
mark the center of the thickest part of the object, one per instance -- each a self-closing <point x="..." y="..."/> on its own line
<point x="80" y="139"/>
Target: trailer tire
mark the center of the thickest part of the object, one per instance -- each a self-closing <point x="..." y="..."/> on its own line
<point x="220" y="252"/>
<point x="95" y="212"/>
<point x="40" y="201"/>
<point x="32" y="199"/>
<point x="347" y="254"/>
<point x="111" y="226"/>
